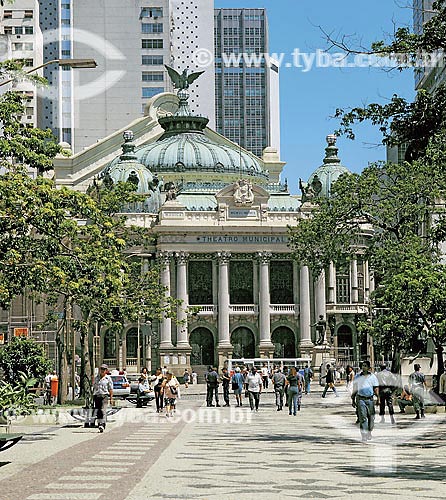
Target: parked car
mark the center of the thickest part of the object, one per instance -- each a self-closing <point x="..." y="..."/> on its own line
<point x="121" y="386"/>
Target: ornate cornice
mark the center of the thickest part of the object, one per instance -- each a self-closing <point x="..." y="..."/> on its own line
<point x="264" y="257"/>
<point x="182" y="257"/>
<point x="223" y="257"/>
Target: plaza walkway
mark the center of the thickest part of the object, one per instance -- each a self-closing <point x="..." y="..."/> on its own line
<point x="230" y="453"/>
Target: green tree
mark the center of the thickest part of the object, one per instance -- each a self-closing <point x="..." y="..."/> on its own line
<point x="393" y="214"/>
<point x="65" y="247"/>
<point x="24" y="356"/>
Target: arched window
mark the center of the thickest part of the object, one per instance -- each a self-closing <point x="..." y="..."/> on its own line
<point x="109" y="344"/>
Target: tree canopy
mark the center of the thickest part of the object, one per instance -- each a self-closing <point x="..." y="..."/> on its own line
<point x="393" y="214"/>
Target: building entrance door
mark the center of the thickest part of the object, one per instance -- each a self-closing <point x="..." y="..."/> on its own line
<point x="202" y="344"/>
<point x="243" y="342"/>
<point x="284" y="342"/>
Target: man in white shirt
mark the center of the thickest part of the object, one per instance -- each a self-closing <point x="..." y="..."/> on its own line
<point x="265" y="376"/>
<point x="254" y="384"/>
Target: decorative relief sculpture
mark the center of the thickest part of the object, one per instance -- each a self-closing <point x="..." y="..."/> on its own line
<point x="243" y="194"/>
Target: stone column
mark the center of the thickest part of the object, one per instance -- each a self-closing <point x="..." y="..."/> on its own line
<point x="305" y="311"/>
<point x="266" y="347"/>
<point x="223" y="299"/>
<point x="166" y="323"/>
<point x="296" y="290"/>
<point x="366" y="281"/>
<point x="182" y="328"/>
<point x="354" y="280"/>
<point x="332" y="284"/>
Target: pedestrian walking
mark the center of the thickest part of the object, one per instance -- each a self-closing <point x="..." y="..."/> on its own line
<point x="254" y="384"/>
<point x="265" y="376"/>
<point x="194" y="377"/>
<point x="349" y="376"/>
<point x="170" y="389"/>
<point x="387" y="384"/>
<point x="295" y="383"/>
<point x="279" y="381"/>
<point x="237" y="382"/>
<point x="365" y="385"/>
<point x="329" y="381"/>
<point x="225" y="379"/>
<point x="157" y="383"/>
<point x="308" y="376"/>
<point x="102" y="393"/>
<point x="417" y="384"/>
<point x="212" y="387"/>
<point x="186" y="378"/>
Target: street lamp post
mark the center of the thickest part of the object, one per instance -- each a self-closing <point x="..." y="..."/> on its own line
<point x="72" y="63"/>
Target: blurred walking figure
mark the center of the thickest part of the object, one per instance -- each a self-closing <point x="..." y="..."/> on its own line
<point x="350" y="375"/>
<point x="102" y="390"/>
<point x="225" y="379"/>
<point x="279" y="381"/>
<point x="308" y="375"/>
<point x="365" y="385"/>
<point x="170" y="389"/>
<point x="212" y="386"/>
<point x="254" y="385"/>
<point x="157" y="383"/>
<point x="329" y="381"/>
<point x="265" y="376"/>
<point x="387" y="384"/>
<point x="417" y="383"/>
<point x="295" y="384"/>
<point x="186" y="378"/>
<point x="237" y="382"/>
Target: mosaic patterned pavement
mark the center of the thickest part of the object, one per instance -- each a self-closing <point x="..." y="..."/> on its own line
<point x="229" y="453"/>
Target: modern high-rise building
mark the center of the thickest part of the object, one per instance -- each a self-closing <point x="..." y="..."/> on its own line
<point x="21" y="38"/>
<point x="426" y="77"/>
<point x="247" y="85"/>
<point x="131" y="42"/>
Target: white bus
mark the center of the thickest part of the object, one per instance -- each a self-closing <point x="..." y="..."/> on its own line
<point x="299" y="363"/>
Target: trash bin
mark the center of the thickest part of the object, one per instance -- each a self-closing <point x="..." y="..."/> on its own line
<point x="54" y="386"/>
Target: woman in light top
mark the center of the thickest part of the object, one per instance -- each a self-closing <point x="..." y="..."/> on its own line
<point x="170" y="389"/>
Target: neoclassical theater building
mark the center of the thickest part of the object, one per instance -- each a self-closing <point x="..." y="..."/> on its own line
<point x="221" y="218"/>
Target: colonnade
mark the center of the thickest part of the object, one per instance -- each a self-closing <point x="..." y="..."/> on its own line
<point x="302" y="299"/>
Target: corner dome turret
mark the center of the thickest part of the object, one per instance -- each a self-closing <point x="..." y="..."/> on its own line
<point x="330" y="171"/>
<point x="129" y="169"/>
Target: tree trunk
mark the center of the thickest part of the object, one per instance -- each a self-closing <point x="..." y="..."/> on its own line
<point x="63" y="366"/>
<point x="396" y="362"/>
<point x="85" y="365"/>
<point x="440" y="362"/>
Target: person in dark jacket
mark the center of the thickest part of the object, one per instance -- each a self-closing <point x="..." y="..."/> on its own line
<point x="212" y="387"/>
<point x="329" y="381"/>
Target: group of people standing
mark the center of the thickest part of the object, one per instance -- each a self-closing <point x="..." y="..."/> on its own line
<point x="288" y="384"/>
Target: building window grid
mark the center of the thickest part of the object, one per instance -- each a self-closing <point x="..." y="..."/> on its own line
<point x="155" y="43"/>
<point x="147" y="60"/>
<point x="148" y="28"/>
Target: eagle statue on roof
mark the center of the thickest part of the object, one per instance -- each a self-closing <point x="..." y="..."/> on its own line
<point x="183" y="80"/>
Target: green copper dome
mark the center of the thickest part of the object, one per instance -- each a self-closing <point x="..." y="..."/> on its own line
<point x="185" y="148"/>
<point x="324" y="176"/>
<point x="129" y="169"/>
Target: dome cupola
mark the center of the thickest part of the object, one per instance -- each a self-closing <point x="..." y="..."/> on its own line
<point x="331" y="169"/>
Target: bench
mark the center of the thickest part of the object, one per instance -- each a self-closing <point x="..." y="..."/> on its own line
<point x="141" y="400"/>
<point x="9" y="440"/>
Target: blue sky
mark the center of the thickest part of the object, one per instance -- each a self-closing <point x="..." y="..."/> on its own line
<point x="309" y="99"/>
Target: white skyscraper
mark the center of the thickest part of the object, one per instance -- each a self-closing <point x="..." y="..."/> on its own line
<point x="131" y="42"/>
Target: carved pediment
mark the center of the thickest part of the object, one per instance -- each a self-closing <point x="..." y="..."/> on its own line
<point x="243" y="193"/>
